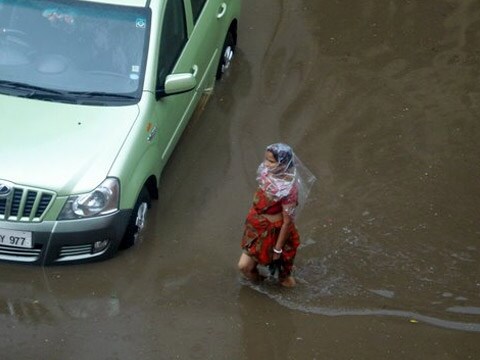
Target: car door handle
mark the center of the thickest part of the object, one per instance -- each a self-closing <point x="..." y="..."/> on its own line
<point x="194" y="70"/>
<point x="222" y="10"/>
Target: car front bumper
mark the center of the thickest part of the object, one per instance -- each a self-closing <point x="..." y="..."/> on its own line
<point x="67" y="241"/>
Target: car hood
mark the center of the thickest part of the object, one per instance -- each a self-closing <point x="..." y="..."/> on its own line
<point x="66" y="148"/>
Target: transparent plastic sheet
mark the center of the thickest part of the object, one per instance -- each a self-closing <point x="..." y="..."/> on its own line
<point x="305" y="181"/>
<point x="289" y="178"/>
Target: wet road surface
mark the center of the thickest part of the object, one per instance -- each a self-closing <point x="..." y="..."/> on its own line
<point x="380" y="99"/>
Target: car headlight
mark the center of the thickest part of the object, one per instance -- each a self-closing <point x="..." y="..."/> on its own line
<point x="101" y="201"/>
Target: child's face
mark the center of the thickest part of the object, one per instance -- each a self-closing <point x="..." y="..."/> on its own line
<point x="270" y="161"/>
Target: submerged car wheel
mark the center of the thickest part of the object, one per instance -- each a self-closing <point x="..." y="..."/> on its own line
<point x="137" y="220"/>
<point x="227" y="55"/>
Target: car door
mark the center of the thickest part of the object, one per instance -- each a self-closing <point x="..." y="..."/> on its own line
<point x="176" y="56"/>
<point x="207" y="36"/>
<point x="190" y="42"/>
<point x="171" y="112"/>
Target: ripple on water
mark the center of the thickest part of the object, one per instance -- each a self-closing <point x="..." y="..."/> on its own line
<point x="385" y="293"/>
<point x="470" y="310"/>
<point x="289" y="300"/>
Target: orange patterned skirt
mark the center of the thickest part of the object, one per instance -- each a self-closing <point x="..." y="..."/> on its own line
<point x="260" y="237"/>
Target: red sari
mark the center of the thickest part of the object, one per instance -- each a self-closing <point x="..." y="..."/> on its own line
<point x="260" y="235"/>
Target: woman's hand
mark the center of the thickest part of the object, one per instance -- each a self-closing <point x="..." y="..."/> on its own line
<point x="282" y="236"/>
<point x="277" y="252"/>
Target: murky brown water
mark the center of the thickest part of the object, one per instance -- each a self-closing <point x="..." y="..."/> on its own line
<point x="381" y="100"/>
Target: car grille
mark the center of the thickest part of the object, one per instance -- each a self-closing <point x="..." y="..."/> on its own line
<point x="78" y="252"/>
<point x="25" y="205"/>
<point x="20" y="254"/>
<point x="75" y="250"/>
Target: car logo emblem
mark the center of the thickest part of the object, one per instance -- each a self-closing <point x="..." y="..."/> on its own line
<point x="5" y="188"/>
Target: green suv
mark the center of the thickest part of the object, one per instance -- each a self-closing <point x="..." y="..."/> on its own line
<point x="94" y="95"/>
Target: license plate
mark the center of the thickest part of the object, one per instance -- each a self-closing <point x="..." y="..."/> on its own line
<point x="22" y="239"/>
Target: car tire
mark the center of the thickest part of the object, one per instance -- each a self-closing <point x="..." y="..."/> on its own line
<point x="226" y="55"/>
<point x="137" y="220"/>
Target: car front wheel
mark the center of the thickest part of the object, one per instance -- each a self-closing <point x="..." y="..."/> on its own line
<point x="226" y="56"/>
<point x="137" y="221"/>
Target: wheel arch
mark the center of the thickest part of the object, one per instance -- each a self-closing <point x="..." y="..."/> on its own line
<point x="151" y="186"/>
<point x="233" y="29"/>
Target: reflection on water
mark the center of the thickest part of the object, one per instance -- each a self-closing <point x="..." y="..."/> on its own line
<point x="41" y="296"/>
<point x="92" y="307"/>
<point x="50" y="311"/>
<point x="25" y="310"/>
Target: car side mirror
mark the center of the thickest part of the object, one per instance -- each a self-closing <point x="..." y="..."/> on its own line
<point x="177" y="84"/>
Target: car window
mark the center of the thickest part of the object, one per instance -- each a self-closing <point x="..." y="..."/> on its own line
<point x="197" y="6"/>
<point x="173" y="39"/>
<point x="73" y="46"/>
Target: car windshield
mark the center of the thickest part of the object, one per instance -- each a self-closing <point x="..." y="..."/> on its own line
<point x="73" y="51"/>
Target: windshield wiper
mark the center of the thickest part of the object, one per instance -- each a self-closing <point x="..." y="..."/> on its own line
<point x="38" y="92"/>
<point x="100" y="94"/>
<point x="27" y="87"/>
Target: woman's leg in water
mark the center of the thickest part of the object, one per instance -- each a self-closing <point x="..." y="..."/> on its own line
<point x="248" y="267"/>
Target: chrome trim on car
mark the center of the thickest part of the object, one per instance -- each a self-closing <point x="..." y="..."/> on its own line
<point x="5" y="188"/>
<point x="24" y="204"/>
<point x="78" y="252"/>
<point x="19" y="254"/>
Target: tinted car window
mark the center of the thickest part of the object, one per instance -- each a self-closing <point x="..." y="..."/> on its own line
<point x="197" y="6"/>
<point x="174" y="37"/>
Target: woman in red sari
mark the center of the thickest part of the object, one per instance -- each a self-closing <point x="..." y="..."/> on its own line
<point x="270" y="235"/>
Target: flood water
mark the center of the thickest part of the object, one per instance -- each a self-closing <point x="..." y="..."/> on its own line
<point x="381" y="100"/>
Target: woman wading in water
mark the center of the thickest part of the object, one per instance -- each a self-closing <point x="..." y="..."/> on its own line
<point x="270" y="236"/>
